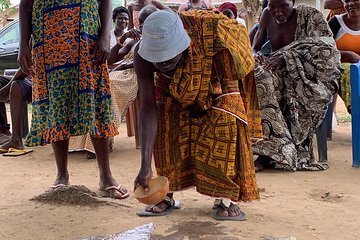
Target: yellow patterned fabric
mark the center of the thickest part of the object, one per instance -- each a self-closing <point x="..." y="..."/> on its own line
<point x="211" y="152"/>
<point x="344" y="85"/>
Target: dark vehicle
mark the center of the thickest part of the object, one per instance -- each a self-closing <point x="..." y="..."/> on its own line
<point x="9" y="46"/>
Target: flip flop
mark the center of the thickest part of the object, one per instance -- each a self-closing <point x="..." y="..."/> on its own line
<point x="109" y="192"/>
<point x="14" y="152"/>
<point x="56" y="186"/>
<point x="172" y="204"/>
<point x="3" y="150"/>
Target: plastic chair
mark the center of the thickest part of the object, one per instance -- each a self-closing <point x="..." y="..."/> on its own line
<point x="355" y="112"/>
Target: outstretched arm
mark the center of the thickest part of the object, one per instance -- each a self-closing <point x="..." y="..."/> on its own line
<point x="333" y="4"/>
<point x="260" y="36"/>
<point x="147" y="117"/>
<point x="183" y="8"/>
<point x="159" y="5"/>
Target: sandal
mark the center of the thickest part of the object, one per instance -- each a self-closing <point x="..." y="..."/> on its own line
<point x="171" y="205"/>
<point x="226" y="205"/>
<point x="116" y="192"/>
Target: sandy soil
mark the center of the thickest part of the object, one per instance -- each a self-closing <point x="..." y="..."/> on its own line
<point x="306" y="205"/>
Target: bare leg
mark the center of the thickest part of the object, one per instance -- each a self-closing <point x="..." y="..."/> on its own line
<point x="16" y="104"/>
<point x="101" y="146"/>
<point x="61" y="156"/>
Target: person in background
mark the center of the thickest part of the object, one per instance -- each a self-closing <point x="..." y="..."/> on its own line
<point x="71" y="89"/>
<point x="196" y="5"/>
<point x="18" y="91"/>
<point x="242" y="16"/>
<point x="120" y="17"/>
<point x="135" y="7"/>
<point x="346" y="31"/>
<point x="295" y="83"/>
<point x="255" y="28"/>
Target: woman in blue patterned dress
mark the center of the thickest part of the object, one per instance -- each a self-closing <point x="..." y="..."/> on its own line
<point x="67" y="55"/>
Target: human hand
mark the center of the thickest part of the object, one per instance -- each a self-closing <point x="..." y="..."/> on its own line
<point x="354" y="57"/>
<point x="196" y="111"/>
<point x="260" y="58"/>
<point x="132" y="33"/>
<point x="102" y="51"/>
<point x="274" y="63"/>
<point x="120" y="67"/>
<point x="143" y="179"/>
<point x="24" y="58"/>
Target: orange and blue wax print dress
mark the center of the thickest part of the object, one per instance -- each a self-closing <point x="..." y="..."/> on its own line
<point x="71" y="94"/>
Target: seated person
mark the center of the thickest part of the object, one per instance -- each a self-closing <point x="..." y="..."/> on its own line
<point x="294" y="84"/>
<point x="17" y="90"/>
<point x="346" y="31"/>
<point x="120" y="17"/>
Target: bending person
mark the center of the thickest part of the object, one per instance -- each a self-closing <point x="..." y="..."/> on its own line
<point x="192" y="116"/>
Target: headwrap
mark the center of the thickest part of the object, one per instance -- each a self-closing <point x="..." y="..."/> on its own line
<point x="230" y="6"/>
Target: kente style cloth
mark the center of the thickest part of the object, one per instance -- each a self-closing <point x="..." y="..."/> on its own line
<point x="294" y="98"/>
<point x="71" y="94"/>
<point x="211" y="152"/>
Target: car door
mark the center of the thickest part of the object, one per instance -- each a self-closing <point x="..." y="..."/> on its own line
<point x="9" y="45"/>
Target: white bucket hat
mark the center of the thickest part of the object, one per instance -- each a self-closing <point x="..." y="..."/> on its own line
<point x="163" y="37"/>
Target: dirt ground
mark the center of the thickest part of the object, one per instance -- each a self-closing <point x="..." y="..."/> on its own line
<point x="305" y="205"/>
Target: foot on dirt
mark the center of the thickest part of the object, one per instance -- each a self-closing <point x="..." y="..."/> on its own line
<point x="163" y="208"/>
<point x="59" y="182"/>
<point x="113" y="189"/>
<point x="117" y="192"/>
<point x="231" y="213"/>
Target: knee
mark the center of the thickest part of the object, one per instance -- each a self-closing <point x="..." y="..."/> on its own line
<point x="15" y="89"/>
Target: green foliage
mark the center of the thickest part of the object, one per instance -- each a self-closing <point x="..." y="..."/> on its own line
<point x="4" y="4"/>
